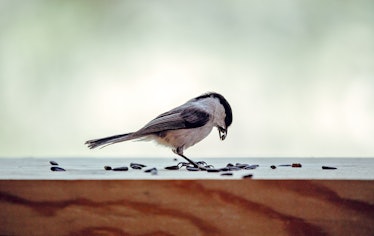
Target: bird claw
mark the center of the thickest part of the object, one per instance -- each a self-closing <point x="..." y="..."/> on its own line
<point x="201" y="167"/>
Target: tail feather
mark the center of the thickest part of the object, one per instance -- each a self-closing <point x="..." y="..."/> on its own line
<point x="94" y="143"/>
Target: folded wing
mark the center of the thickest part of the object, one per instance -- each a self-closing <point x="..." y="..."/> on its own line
<point x="180" y="118"/>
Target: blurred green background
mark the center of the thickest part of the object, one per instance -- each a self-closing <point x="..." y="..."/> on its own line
<point x="299" y="74"/>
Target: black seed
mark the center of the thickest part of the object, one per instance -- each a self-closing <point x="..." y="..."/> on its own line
<point x="53" y="163"/>
<point x="234" y="168"/>
<point x="191" y="168"/>
<point x="273" y="167"/>
<point x="247" y="176"/>
<point x="296" y="165"/>
<point x="172" y="168"/>
<point x="153" y="171"/>
<point x="56" y="168"/>
<point x="137" y="165"/>
<point x="285" y="165"/>
<point x="229" y="165"/>
<point x="212" y="170"/>
<point x="107" y="167"/>
<point x="250" y="167"/>
<point x="175" y="159"/>
<point x="123" y="168"/>
<point x="242" y="166"/>
<point x="329" y="168"/>
<point x="150" y="170"/>
<point x="227" y="174"/>
<point x="224" y="169"/>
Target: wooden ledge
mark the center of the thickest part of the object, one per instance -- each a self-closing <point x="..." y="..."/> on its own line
<point x="187" y="207"/>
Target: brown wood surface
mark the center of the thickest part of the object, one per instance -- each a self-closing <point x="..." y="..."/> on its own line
<point x="186" y="207"/>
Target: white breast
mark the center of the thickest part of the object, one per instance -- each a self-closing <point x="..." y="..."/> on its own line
<point x="184" y="137"/>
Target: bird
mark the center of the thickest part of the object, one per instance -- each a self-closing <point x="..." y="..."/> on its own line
<point x="181" y="127"/>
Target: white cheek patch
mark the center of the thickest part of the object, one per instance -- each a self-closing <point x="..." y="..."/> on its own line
<point x="184" y="137"/>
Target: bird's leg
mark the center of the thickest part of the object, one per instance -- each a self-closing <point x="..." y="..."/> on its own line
<point x="179" y="151"/>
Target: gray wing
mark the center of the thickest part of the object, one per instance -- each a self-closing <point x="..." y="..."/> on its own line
<point x="178" y="118"/>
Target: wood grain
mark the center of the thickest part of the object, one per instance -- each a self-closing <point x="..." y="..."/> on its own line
<point x="186" y="207"/>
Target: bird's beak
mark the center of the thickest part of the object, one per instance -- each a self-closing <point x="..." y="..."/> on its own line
<point x="222" y="133"/>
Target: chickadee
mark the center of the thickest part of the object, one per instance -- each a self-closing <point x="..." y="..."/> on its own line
<point x="181" y="127"/>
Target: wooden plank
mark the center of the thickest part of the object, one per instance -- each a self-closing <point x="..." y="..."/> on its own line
<point x="186" y="207"/>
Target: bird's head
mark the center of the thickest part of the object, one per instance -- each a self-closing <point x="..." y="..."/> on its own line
<point x="223" y="115"/>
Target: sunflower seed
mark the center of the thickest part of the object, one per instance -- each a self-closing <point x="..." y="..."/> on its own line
<point x="107" y="167"/>
<point x="249" y="176"/>
<point x="172" y="168"/>
<point x="137" y="165"/>
<point x="150" y="170"/>
<point x="56" y="168"/>
<point x="123" y="168"/>
<point x="329" y="168"/>
<point x="212" y="170"/>
<point x="296" y="165"/>
<point x="53" y="163"/>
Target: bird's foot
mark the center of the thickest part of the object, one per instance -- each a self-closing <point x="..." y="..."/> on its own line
<point x="202" y="165"/>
